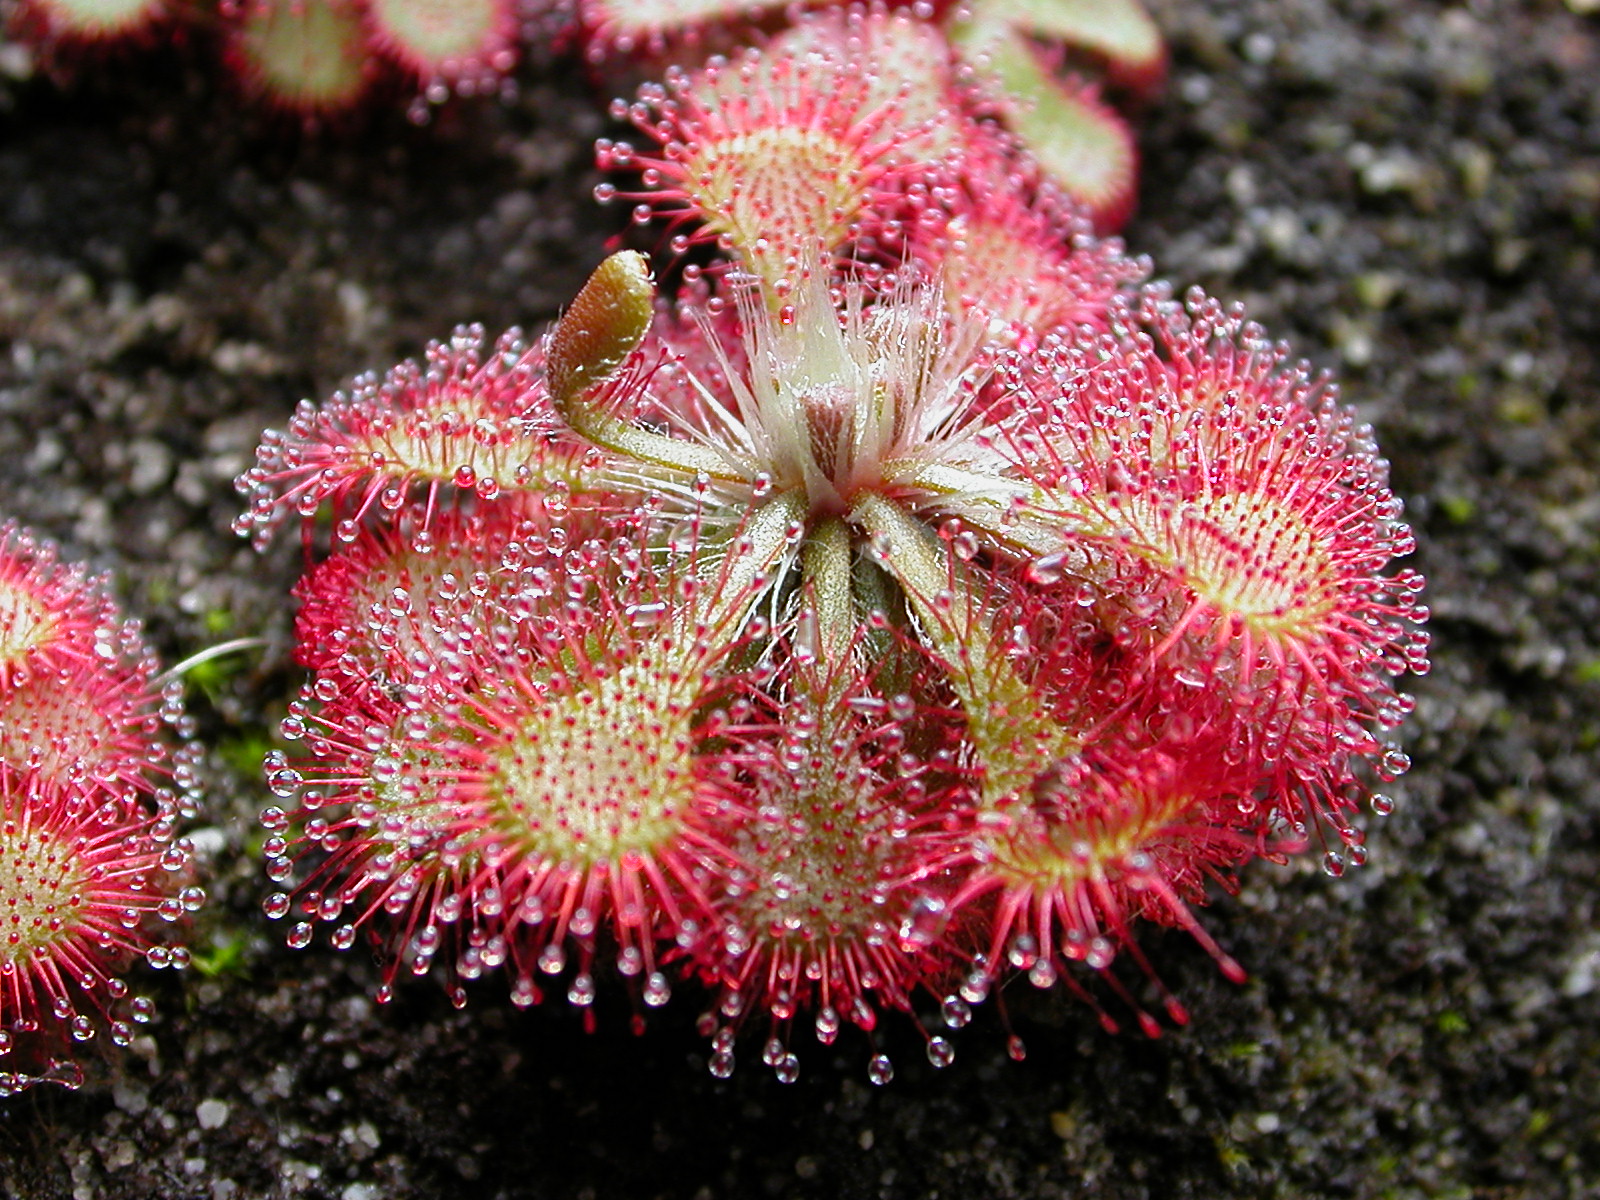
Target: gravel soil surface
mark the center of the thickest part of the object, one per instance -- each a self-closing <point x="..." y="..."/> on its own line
<point x="1406" y="190"/>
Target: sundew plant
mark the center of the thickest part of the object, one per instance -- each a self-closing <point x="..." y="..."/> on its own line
<point x="93" y="799"/>
<point x="911" y="599"/>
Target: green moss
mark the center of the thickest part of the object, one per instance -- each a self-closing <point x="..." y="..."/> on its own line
<point x="1587" y="671"/>
<point x="211" y="676"/>
<point x="1233" y="1158"/>
<point x="243" y="753"/>
<point x="1376" y="289"/>
<point x="226" y="956"/>
<point x="1457" y="509"/>
<point x="1518" y="407"/>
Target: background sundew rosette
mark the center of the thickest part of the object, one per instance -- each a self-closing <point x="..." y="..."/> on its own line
<point x="93" y="795"/>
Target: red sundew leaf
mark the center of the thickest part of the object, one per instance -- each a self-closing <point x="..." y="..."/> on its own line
<point x="89" y="727"/>
<point x="1120" y="32"/>
<point x="54" y="615"/>
<point x="1032" y="267"/>
<point x="548" y="793"/>
<point x="629" y="29"/>
<point x="351" y="595"/>
<point x="473" y="423"/>
<point x="775" y="157"/>
<point x="1233" y="523"/>
<point x="79" y="883"/>
<point x="1123" y="832"/>
<point x="79" y="700"/>
<point x="847" y="837"/>
<point x="1085" y="146"/>
<point x="449" y="40"/>
<point x="909" y="65"/>
<point x="94" y="20"/>
<point x="306" y="55"/>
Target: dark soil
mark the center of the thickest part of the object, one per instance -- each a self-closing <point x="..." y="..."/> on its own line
<point x="1407" y="191"/>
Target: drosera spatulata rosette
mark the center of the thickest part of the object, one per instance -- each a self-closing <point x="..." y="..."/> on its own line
<point x="916" y="601"/>
<point x="93" y="797"/>
<point x="1072" y="724"/>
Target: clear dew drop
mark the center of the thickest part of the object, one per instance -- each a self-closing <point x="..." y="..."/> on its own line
<point x="1393" y="764"/>
<point x="827" y="1024"/>
<point x="582" y="992"/>
<point x="524" y="993"/>
<point x="657" y="991"/>
<point x="956" y="1011"/>
<point x="940" y="1052"/>
<point x="880" y="1070"/>
<point x="552" y="959"/>
<point x="1047" y="570"/>
<point x="1023" y="952"/>
<point x="285" y="782"/>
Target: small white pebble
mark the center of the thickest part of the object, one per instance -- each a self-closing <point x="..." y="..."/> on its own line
<point x="130" y="1097"/>
<point x="1582" y="975"/>
<point x="281" y="1081"/>
<point x="212" y="1114"/>
<point x="208" y="842"/>
<point x="1259" y="48"/>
